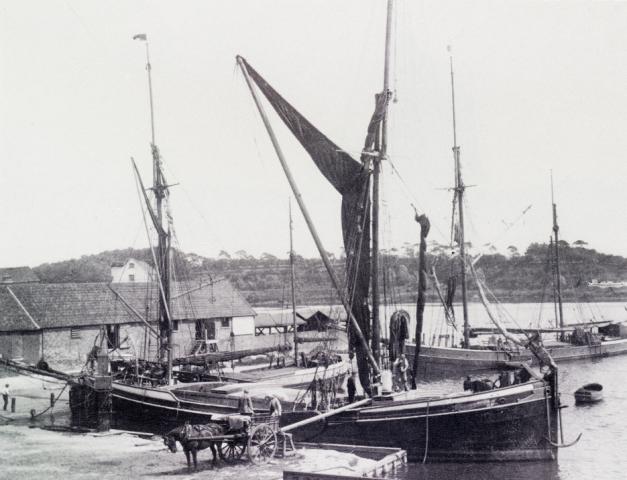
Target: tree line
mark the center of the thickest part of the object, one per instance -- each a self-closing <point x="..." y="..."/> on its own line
<point x="265" y="280"/>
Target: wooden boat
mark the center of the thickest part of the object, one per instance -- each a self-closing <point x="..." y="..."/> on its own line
<point x="575" y="342"/>
<point x="455" y="360"/>
<point x="589" y="393"/>
<point x="517" y="422"/>
<point x="167" y="406"/>
<point x="152" y="393"/>
<point x="506" y="424"/>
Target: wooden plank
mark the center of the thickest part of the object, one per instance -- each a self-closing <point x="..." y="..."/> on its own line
<point x="387" y="459"/>
<point x="293" y="475"/>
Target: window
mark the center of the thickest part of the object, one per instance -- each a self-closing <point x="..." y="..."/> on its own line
<point x="205" y="329"/>
<point x="75" y="333"/>
<point x="113" y="336"/>
<point x="226" y="322"/>
<point x="175" y="325"/>
<point x="131" y="265"/>
<point x="131" y="278"/>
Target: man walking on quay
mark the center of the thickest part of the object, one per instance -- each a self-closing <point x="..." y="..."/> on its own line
<point x="5" y="396"/>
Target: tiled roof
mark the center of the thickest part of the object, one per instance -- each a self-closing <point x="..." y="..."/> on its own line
<point x="83" y="304"/>
<point x="189" y="300"/>
<point x="54" y="305"/>
<point x="14" y="275"/>
<point x="12" y="315"/>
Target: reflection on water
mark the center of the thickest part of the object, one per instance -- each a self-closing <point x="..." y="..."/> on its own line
<point x="483" y="471"/>
<point x="599" y="455"/>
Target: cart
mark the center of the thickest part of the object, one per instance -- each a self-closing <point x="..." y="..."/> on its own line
<point x="259" y="440"/>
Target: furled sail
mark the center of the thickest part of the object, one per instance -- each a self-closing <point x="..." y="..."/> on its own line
<point x="351" y="179"/>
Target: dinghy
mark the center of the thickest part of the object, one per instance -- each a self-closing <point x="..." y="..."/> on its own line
<point x="590" y="393"/>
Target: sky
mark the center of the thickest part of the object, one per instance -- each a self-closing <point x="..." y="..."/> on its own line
<point x="540" y="86"/>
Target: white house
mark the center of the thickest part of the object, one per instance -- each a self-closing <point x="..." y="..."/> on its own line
<point x="132" y="271"/>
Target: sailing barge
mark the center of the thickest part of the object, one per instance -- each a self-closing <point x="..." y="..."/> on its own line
<point x="517" y="421"/>
<point x="514" y="423"/>
<point x="574" y="342"/>
<point x="148" y="390"/>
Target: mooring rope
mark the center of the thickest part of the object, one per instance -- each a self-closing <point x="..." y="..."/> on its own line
<point x="52" y="404"/>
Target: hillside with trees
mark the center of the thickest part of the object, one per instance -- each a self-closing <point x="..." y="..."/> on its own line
<point x="265" y="280"/>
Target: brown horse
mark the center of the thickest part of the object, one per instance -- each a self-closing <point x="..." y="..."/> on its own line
<point x="193" y="438"/>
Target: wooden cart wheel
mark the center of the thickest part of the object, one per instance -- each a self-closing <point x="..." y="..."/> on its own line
<point x="231" y="451"/>
<point x="262" y="444"/>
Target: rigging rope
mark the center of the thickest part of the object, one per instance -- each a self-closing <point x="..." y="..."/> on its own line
<point x="417" y="206"/>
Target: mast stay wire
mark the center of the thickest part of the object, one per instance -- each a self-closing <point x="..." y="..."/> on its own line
<point x="152" y="250"/>
<point x="501" y="310"/>
<point x="211" y="230"/>
<point x="413" y="202"/>
<point x="484" y="248"/>
<point x="390" y="294"/>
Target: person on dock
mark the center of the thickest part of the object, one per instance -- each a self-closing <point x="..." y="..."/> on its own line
<point x="351" y="387"/>
<point x="5" y="396"/>
<point x="245" y="404"/>
<point x="274" y="405"/>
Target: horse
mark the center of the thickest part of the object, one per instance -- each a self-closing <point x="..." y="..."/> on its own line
<point x="193" y="438"/>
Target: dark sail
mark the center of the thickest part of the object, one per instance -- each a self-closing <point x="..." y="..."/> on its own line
<point x="351" y="179"/>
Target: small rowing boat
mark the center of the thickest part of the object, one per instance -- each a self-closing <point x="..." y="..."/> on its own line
<point x="590" y="393"/>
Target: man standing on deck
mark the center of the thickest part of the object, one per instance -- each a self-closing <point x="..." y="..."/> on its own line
<point x="404" y="366"/>
<point x="351" y="387"/>
<point x="245" y="404"/>
<point x="5" y="396"/>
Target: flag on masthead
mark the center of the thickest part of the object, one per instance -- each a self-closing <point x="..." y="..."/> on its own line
<point x="140" y="36"/>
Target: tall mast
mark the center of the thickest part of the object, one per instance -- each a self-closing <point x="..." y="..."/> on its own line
<point x="554" y="285"/>
<point x="459" y="192"/>
<point x="376" y="170"/>
<point x="292" y="277"/>
<point x="558" y="281"/>
<point x="160" y="189"/>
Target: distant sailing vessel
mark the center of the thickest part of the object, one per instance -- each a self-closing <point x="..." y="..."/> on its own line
<point x="574" y="342"/>
<point x="518" y="420"/>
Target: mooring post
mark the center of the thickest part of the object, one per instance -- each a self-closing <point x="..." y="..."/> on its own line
<point x="12" y="404"/>
<point x="102" y="388"/>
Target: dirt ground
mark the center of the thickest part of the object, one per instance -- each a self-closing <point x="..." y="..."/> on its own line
<point x="27" y="451"/>
<point x="31" y="452"/>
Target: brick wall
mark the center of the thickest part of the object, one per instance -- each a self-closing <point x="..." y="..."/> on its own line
<point x="21" y="345"/>
<point x="67" y="348"/>
<point x="32" y="347"/>
<point x="11" y="345"/>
